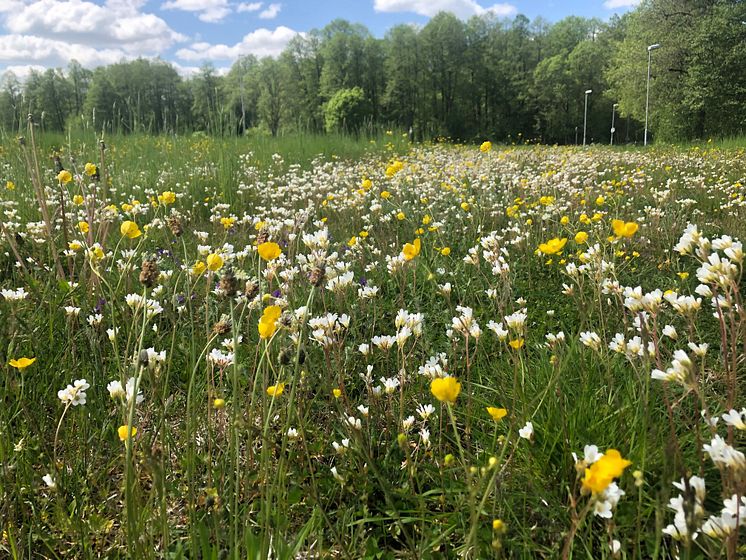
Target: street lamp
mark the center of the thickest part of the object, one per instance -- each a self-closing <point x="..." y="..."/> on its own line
<point x="585" y="113"/>
<point x="651" y="48"/>
<point x="613" y="130"/>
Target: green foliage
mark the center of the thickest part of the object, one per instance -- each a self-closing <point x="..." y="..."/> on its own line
<point x="346" y="110"/>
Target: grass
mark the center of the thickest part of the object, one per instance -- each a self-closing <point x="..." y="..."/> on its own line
<point x="282" y="436"/>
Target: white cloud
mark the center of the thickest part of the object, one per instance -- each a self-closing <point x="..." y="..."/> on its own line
<point x="20" y="71"/>
<point x="461" y="8"/>
<point x="117" y="24"/>
<point x="210" y="11"/>
<point x="249" y="7"/>
<point x="614" y="4"/>
<point x="25" y="50"/>
<point x="261" y="42"/>
<point x="271" y="11"/>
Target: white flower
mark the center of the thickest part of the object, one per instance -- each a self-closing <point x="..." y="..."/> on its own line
<point x="527" y="432"/>
<point x="591" y="340"/>
<point x="14" y="295"/>
<point x="425" y="411"/>
<point x="116" y="391"/>
<point x="735" y="418"/>
<point x="74" y="394"/>
<point x="49" y="481"/>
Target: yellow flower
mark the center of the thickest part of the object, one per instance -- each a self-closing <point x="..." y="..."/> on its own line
<point x="465" y="206"/>
<point x="126" y="207"/>
<point x="600" y="200"/>
<point x="553" y="246"/>
<point x="21" y="363"/>
<point x="624" y="229"/>
<point x="276" y="390"/>
<point x="125" y="431"/>
<point x="445" y="251"/>
<point x="74" y="246"/>
<point x="411" y="250"/>
<point x="64" y="177"/>
<point x="385" y="195"/>
<point x="269" y="251"/>
<point x="400" y="216"/>
<point x="683" y="275"/>
<point x="83" y="227"/>
<point x="227" y="222"/>
<point x="218" y="403"/>
<point x="517" y="343"/>
<point x="363" y="234"/>
<point x="581" y="237"/>
<point x="167" y="197"/>
<point x="445" y="389"/>
<point x="90" y="169"/>
<point x="485" y="147"/>
<point x="497" y="414"/>
<point x="426" y="219"/>
<point x="366" y="184"/>
<point x="601" y="473"/>
<point x="268" y="321"/>
<point x="10" y="185"/>
<point x="77" y="199"/>
<point x="214" y="262"/>
<point x="564" y="220"/>
<point x="337" y="393"/>
<point x="198" y="268"/>
<point x="498" y="525"/>
<point x="130" y="230"/>
<point x="352" y="242"/>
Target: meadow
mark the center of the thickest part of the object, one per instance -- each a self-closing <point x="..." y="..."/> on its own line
<point x="329" y="347"/>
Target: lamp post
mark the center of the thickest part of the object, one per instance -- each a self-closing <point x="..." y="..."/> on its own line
<point x="585" y="114"/>
<point x="613" y="130"/>
<point x="651" y="48"/>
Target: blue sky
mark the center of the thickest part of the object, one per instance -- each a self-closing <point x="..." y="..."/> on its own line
<point x="49" y="33"/>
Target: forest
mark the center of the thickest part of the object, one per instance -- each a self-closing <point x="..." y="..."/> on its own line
<point x="511" y="80"/>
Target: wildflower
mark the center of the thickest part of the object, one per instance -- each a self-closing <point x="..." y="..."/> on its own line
<point x="214" y="262"/>
<point x="198" y="268"/>
<point x="600" y="474"/>
<point x="64" y="177"/>
<point x="21" y="363"/>
<point x="411" y="250"/>
<point x="10" y="185"/>
<point x="268" y="321"/>
<point x="269" y="251"/>
<point x="553" y="246"/>
<point x="126" y="432"/>
<point x="84" y="227"/>
<point x="78" y="200"/>
<point x="527" y="432"/>
<point x="445" y="389"/>
<point x="485" y="147"/>
<point x="276" y="390"/>
<point x="49" y="481"/>
<point x="130" y="230"/>
<point x="624" y="229"/>
<point x="497" y="413"/>
<point x="445" y="251"/>
<point x="516" y="344"/>
<point x="74" y="394"/>
<point x="167" y="197"/>
<point x="581" y="237"/>
<point x="337" y="393"/>
<point x="498" y="525"/>
<point x="90" y="169"/>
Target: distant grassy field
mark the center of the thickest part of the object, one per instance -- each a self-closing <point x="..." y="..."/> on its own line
<point x="328" y="347"/>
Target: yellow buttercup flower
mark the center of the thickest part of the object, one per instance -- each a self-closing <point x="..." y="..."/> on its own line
<point x="352" y="242"/>
<point x="445" y="389"/>
<point x="167" y="197"/>
<point x="64" y="177"/>
<point x="497" y="414"/>
<point x="125" y="431"/>
<point x="465" y="206"/>
<point x="276" y="390"/>
<point x="268" y="321"/>
<point x="445" y="251"/>
<point x="214" y="262"/>
<point x="269" y="251"/>
<point x="83" y="227"/>
<point x="78" y="200"/>
<point x="400" y="216"/>
<point x="198" y="268"/>
<point x="385" y="195"/>
<point x="337" y="393"/>
<point x="130" y="230"/>
<point x="21" y="363"/>
<point x="553" y="246"/>
<point x="227" y="223"/>
<point x="624" y="229"/>
<point x="601" y="473"/>
<point x="581" y="237"/>
<point x="485" y="147"/>
<point x="10" y="185"/>
<point x="218" y="403"/>
<point x="90" y="169"/>
<point x="411" y="250"/>
<point x="517" y="343"/>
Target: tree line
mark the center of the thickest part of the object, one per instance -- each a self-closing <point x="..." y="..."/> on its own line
<point x="503" y="79"/>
